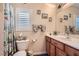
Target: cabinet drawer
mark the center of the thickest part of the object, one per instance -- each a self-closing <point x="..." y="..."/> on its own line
<point x="71" y="51"/>
<point x="48" y="38"/>
<point x="57" y="44"/>
<point x="60" y="52"/>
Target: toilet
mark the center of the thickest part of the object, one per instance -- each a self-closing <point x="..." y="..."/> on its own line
<point x="22" y="45"/>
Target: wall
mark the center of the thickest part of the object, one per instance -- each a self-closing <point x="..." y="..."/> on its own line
<point x="60" y="26"/>
<point x="39" y="46"/>
<point x="1" y="30"/>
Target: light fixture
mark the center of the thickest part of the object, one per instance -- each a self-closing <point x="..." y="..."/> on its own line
<point x="60" y="5"/>
<point x="67" y="5"/>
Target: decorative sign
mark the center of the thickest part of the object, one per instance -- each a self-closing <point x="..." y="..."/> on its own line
<point x="38" y="12"/>
<point x="50" y="19"/>
<point x="65" y="17"/>
<point x="44" y="15"/>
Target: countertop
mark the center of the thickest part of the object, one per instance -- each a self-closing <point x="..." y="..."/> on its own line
<point x="73" y="42"/>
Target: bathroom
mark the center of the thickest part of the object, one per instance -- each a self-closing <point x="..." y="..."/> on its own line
<point x="39" y="23"/>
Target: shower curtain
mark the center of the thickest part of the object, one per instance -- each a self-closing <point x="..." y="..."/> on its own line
<point x="9" y="38"/>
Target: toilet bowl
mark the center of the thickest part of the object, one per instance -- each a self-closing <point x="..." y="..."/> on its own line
<point x="20" y="53"/>
<point x="22" y="45"/>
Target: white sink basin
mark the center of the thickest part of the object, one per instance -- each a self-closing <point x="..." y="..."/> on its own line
<point x="66" y="38"/>
<point x="75" y="40"/>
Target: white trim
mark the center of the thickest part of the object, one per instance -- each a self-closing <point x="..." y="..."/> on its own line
<point x="39" y="53"/>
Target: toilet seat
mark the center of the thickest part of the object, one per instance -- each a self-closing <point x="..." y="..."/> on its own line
<point x="20" y="53"/>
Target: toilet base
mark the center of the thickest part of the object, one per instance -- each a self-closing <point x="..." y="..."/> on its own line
<point x="20" y="53"/>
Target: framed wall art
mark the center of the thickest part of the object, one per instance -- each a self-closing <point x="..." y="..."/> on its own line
<point x="65" y="17"/>
<point x="38" y="12"/>
<point x="44" y="15"/>
<point x="50" y="19"/>
<point x="69" y="15"/>
<point x="61" y="19"/>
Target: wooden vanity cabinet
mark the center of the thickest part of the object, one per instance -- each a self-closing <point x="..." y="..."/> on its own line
<point x="54" y="47"/>
<point x="57" y="44"/>
<point x="57" y="48"/>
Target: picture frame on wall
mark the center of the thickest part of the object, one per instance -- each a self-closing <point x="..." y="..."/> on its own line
<point x="50" y="19"/>
<point x="65" y="17"/>
<point x="38" y="12"/>
<point x="61" y="19"/>
<point x="44" y="15"/>
<point x="69" y="15"/>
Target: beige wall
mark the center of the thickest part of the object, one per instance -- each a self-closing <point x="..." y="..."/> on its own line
<point x="39" y="46"/>
<point x="1" y="30"/>
<point x="71" y="21"/>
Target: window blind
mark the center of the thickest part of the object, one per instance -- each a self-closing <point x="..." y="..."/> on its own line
<point x="23" y="20"/>
<point x="77" y="23"/>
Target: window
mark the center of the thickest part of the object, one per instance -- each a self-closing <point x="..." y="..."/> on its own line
<point x="77" y="23"/>
<point x="23" y="20"/>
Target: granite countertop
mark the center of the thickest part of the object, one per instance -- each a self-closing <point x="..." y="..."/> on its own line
<point x="73" y="42"/>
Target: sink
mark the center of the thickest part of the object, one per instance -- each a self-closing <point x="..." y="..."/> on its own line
<point x="64" y="37"/>
<point x="61" y="36"/>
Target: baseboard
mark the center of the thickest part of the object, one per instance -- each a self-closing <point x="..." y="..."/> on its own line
<point x="39" y="53"/>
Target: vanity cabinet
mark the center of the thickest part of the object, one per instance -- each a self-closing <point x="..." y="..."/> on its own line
<point x="57" y="48"/>
<point x="57" y="44"/>
<point x="54" y="47"/>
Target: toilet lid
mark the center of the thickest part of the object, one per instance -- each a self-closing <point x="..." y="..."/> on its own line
<point x="20" y="53"/>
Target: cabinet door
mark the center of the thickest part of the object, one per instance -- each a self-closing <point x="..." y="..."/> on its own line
<point x="60" y="52"/>
<point x="57" y="44"/>
<point x="52" y="50"/>
<point x="48" y="47"/>
<point x="71" y="51"/>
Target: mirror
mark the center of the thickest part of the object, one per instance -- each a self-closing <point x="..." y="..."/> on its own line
<point x="68" y="18"/>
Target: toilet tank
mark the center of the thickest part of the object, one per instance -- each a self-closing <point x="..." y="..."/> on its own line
<point x="22" y="44"/>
